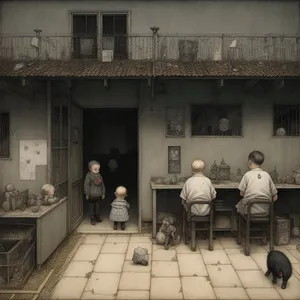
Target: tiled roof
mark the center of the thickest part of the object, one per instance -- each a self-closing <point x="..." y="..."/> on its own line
<point x="130" y="68"/>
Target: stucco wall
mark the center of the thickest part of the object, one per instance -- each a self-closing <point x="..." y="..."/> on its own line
<point x="256" y="17"/>
<point x="284" y="152"/>
<point x="27" y="122"/>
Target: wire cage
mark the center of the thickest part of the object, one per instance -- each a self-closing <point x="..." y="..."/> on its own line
<point x="17" y="254"/>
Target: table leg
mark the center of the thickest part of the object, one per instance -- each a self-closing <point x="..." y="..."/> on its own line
<point x="154" y="213"/>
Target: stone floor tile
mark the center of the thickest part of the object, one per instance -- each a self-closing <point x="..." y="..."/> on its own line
<point x="290" y="254"/>
<point x="118" y="248"/>
<point x="130" y="266"/>
<point x="132" y="246"/>
<point x="234" y="251"/>
<point x="254" y="248"/>
<point x="87" y="253"/>
<point x="165" y="269"/>
<point x="242" y="262"/>
<point x="254" y="279"/>
<point x="266" y="293"/>
<point x="133" y="295"/>
<point x="93" y="296"/>
<point x="191" y="265"/>
<point x="160" y="247"/>
<point x="292" y="290"/>
<point x="223" y="276"/>
<point x="95" y="239"/>
<point x="228" y="242"/>
<point x="261" y="260"/>
<point x="197" y="288"/>
<point x="166" y="288"/>
<point x="69" y="288"/>
<point x="215" y="257"/>
<point x="296" y="267"/>
<point x="78" y="269"/>
<point x="184" y="249"/>
<point x="104" y="284"/>
<point x="203" y="244"/>
<point x="231" y="294"/>
<point x="134" y="281"/>
<point x="296" y="254"/>
<point x="109" y="263"/>
<point x="140" y="239"/>
<point x="166" y="255"/>
<point x="117" y="238"/>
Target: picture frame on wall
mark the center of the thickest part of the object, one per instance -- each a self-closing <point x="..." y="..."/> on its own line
<point x="175" y="121"/>
<point x="174" y="159"/>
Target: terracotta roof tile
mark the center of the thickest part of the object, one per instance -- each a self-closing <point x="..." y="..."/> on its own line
<point x="128" y="68"/>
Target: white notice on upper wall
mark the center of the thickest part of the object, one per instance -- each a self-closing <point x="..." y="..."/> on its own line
<point x="32" y="153"/>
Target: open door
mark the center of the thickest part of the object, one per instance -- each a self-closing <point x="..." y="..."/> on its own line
<point x="75" y="170"/>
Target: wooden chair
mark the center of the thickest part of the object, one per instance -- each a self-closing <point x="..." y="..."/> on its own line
<point x="264" y="221"/>
<point x="189" y="224"/>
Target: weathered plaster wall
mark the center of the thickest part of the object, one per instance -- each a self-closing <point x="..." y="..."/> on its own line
<point x="27" y="122"/>
<point x="203" y="16"/>
<point x="284" y="152"/>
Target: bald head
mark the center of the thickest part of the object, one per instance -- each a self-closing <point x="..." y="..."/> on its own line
<point x="198" y="166"/>
<point x="121" y="192"/>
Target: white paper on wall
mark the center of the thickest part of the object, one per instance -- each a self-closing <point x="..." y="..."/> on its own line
<point x="32" y="153"/>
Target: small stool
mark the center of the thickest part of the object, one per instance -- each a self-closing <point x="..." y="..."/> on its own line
<point x="189" y="227"/>
<point x="265" y="220"/>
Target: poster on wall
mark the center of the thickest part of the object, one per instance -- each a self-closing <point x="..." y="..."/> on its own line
<point x="175" y="121"/>
<point x="32" y="153"/>
<point x="174" y="159"/>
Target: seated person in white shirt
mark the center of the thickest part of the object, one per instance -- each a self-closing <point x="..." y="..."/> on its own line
<point x="198" y="187"/>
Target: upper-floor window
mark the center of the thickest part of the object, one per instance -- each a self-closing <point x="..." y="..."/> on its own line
<point x="286" y="120"/>
<point x="216" y="120"/>
<point x="114" y="30"/>
<point x="4" y="134"/>
<point x="85" y="32"/>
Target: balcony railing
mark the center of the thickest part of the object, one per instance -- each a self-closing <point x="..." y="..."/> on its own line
<point x="151" y="47"/>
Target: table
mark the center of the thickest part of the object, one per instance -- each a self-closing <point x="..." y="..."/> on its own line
<point x="225" y="185"/>
<point x="51" y="226"/>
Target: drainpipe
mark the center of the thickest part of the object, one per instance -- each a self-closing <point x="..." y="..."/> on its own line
<point x="38" y="36"/>
<point x="155" y="30"/>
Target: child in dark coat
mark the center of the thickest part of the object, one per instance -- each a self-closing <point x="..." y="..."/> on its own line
<point x="119" y="210"/>
<point x="94" y="190"/>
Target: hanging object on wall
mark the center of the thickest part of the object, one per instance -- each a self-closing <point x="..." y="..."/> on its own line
<point x="32" y="153"/>
<point x="174" y="159"/>
<point x="175" y="121"/>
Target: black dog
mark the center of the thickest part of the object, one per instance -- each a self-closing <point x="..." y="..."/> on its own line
<point x="280" y="267"/>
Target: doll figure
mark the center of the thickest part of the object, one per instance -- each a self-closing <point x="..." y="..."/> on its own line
<point x="170" y="233"/>
<point x="48" y="195"/>
<point x="11" y="194"/>
<point x="119" y="210"/>
<point x="94" y="190"/>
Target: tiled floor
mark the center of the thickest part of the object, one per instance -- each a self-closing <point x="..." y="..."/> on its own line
<point x="102" y="269"/>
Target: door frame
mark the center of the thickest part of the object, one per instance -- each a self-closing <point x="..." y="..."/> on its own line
<point x="137" y="108"/>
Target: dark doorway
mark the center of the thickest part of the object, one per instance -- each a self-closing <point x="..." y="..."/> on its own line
<point x="85" y="35"/>
<point x="112" y="135"/>
<point x="114" y="30"/>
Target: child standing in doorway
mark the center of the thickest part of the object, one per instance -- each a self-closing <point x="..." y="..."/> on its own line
<point x="119" y="210"/>
<point x="94" y="190"/>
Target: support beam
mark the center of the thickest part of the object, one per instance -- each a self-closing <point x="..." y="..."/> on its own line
<point x="149" y="82"/>
<point x="278" y="84"/>
<point x="220" y="83"/>
<point x="49" y="131"/>
<point x="250" y="84"/>
<point x="106" y="84"/>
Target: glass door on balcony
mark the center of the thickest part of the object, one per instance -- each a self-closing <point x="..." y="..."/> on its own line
<point x="114" y="30"/>
<point x="85" y="35"/>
